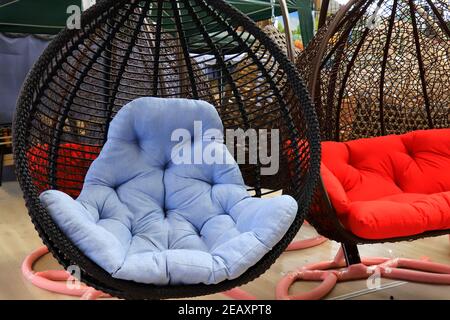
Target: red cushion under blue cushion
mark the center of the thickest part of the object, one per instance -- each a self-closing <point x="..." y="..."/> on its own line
<point x="391" y="186"/>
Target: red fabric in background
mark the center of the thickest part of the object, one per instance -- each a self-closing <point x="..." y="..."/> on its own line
<point x="390" y="186"/>
<point x="73" y="161"/>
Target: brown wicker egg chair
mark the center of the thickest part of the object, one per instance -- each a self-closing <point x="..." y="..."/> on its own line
<point x="376" y="68"/>
<point x="373" y="81"/>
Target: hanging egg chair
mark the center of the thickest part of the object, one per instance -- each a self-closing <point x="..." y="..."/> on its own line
<point x="378" y="72"/>
<point x="379" y="68"/>
<point x="129" y="49"/>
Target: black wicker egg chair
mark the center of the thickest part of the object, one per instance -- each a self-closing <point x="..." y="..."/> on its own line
<point x="376" y="68"/>
<point x="128" y="49"/>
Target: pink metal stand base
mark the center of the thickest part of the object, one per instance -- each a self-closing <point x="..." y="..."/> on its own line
<point x="239" y="294"/>
<point x="56" y="280"/>
<point x="401" y="269"/>
<point x="306" y="243"/>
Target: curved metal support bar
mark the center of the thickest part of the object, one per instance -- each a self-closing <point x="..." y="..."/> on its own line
<point x="56" y="280"/>
<point x="287" y="30"/>
<point x="323" y="12"/>
<point x="329" y="273"/>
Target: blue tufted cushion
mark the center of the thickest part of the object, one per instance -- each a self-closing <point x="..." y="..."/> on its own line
<point x="142" y="217"/>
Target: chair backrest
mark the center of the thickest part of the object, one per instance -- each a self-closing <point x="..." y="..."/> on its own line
<point x="131" y="50"/>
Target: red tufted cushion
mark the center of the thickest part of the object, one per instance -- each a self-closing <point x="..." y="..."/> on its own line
<point x="72" y="164"/>
<point x="390" y="186"/>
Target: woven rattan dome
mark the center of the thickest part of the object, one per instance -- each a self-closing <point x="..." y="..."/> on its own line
<point x="381" y="67"/>
<point x="127" y="49"/>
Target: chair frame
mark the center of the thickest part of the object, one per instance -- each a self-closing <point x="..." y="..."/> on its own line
<point x="323" y="215"/>
<point x="65" y="252"/>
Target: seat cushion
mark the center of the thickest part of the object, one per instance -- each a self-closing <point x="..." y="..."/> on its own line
<point x="390" y="186"/>
<point x="154" y="209"/>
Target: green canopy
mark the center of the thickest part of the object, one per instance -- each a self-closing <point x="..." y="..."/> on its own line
<point x="34" y="16"/>
<point x="304" y="8"/>
<point x="49" y="16"/>
<point x="261" y="9"/>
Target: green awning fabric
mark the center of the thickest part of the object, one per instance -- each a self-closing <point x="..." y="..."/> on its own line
<point x="261" y="9"/>
<point x="50" y="16"/>
<point x="34" y="16"/>
<point x="304" y="8"/>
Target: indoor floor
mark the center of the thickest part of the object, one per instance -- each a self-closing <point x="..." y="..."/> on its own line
<point x="18" y="238"/>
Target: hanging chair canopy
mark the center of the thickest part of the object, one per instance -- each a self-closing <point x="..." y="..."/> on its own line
<point x="125" y="51"/>
<point x="377" y="68"/>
